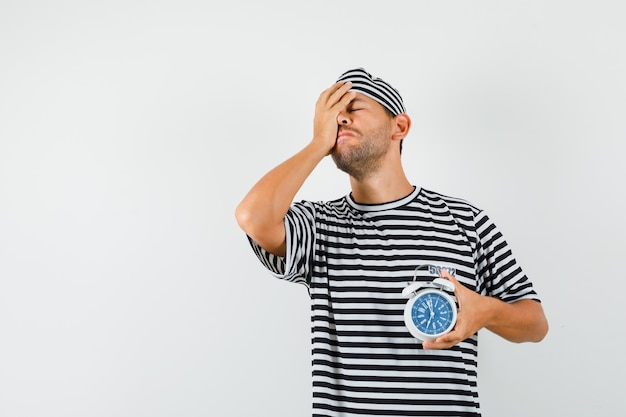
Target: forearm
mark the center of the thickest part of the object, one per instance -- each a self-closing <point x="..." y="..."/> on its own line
<point x="262" y="211"/>
<point x="521" y="321"/>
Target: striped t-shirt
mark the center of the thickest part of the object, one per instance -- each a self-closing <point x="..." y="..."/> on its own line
<point x="355" y="260"/>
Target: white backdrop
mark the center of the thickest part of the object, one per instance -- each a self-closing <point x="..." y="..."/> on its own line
<point x="129" y="131"/>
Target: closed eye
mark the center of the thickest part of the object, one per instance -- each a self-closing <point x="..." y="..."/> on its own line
<point x="356" y="105"/>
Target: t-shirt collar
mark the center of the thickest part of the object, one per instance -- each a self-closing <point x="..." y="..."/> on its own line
<point x="383" y="206"/>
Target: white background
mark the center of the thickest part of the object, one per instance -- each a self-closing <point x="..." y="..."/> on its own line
<point x="129" y="131"/>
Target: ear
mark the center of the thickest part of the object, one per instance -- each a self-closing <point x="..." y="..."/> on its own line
<point x="402" y="125"/>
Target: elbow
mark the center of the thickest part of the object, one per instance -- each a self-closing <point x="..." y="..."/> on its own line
<point x="536" y="332"/>
<point x="541" y="331"/>
<point x="250" y="221"/>
<point x="532" y="326"/>
<point x="541" y="324"/>
<point x="268" y="235"/>
<point x="245" y="218"/>
<point x="242" y="216"/>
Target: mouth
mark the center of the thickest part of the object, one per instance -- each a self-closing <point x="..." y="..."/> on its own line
<point x="345" y="134"/>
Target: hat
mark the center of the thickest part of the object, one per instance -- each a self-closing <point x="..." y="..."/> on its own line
<point x="375" y="88"/>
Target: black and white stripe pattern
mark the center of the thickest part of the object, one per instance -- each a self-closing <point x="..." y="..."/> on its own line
<point x="356" y="259"/>
<point x="375" y="88"/>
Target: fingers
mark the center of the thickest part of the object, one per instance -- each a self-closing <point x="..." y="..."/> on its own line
<point x="337" y="94"/>
<point x="458" y="287"/>
<point x="443" y="342"/>
<point x="331" y="102"/>
<point x="337" y="90"/>
<point x="446" y="274"/>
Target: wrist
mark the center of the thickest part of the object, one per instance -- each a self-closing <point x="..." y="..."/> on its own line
<point x="320" y="146"/>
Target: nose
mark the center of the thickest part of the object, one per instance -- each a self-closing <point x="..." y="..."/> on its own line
<point x="342" y="119"/>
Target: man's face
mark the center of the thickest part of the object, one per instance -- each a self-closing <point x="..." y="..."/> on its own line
<point x="363" y="137"/>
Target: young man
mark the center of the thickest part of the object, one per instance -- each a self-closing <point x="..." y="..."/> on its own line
<point x="356" y="254"/>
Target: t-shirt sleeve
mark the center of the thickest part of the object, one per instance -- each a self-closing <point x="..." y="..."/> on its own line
<point x="498" y="272"/>
<point x="296" y="265"/>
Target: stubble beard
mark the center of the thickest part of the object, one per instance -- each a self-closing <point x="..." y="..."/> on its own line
<point x="363" y="159"/>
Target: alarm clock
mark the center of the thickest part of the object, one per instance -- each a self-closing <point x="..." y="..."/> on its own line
<point x="431" y="310"/>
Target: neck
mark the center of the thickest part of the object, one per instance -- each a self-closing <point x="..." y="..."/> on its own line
<point x="381" y="187"/>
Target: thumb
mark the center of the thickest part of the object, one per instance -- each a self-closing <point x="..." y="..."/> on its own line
<point x="457" y="285"/>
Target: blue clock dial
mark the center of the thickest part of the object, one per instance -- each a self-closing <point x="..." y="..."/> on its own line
<point x="432" y="313"/>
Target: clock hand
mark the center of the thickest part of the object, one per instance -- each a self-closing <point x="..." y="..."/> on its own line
<point x="429" y="304"/>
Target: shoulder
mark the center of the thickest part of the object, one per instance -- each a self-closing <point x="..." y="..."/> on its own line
<point x="338" y="205"/>
<point x="458" y="207"/>
<point x="323" y="211"/>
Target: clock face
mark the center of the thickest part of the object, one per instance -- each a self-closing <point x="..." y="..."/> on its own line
<point x="433" y="313"/>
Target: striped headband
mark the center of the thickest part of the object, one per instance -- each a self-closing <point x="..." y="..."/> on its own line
<point x="374" y="88"/>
